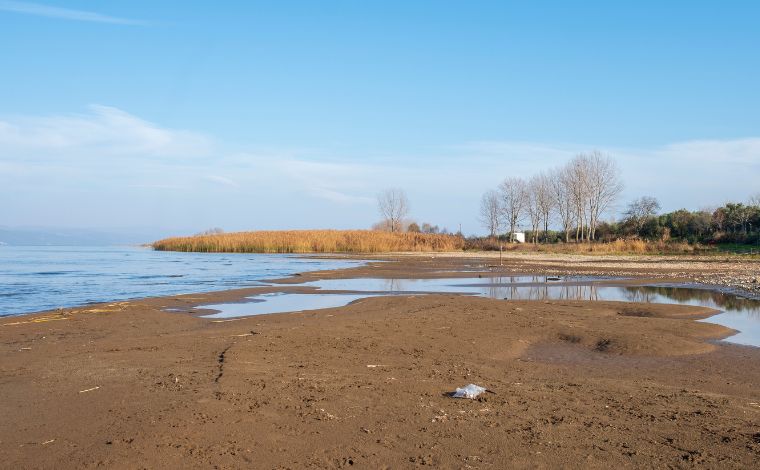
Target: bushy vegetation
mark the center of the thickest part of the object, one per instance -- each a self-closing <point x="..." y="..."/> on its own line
<point x="312" y="241"/>
<point x="731" y="223"/>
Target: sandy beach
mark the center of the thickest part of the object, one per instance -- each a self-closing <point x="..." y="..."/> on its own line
<point x="575" y="384"/>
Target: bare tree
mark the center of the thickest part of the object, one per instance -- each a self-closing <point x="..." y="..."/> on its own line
<point x="577" y="179"/>
<point x="393" y="206"/>
<point x="595" y="184"/>
<point x="544" y="200"/>
<point x="513" y="200"/>
<point x="604" y="187"/>
<point x="532" y="206"/>
<point x="490" y="212"/>
<point x="754" y="200"/>
<point x="640" y="210"/>
<point x="561" y="192"/>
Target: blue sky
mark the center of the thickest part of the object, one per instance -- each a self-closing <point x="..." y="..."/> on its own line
<point x="185" y="115"/>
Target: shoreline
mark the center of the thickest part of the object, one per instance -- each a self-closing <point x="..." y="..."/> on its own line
<point x="638" y="266"/>
<point x="577" y="383"/>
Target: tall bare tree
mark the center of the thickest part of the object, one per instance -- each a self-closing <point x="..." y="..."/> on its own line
<point x="577" y="179"/>
<point x="561" y="189"/>
<point x="532" y="206"/>
<point x="393" y="206"/>
<point x="544" y="200"/>
<point x="490" y="212"/>
<point x="594" y="183"/>
<point x="513" y="200"/>
<point x="603" y="187"/>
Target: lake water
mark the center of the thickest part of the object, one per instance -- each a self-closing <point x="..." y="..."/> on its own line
<point x="42" y="278"/>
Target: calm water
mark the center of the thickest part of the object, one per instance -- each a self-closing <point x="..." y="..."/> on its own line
<point x="278" y="302"/>
<point x="737" y="313"/>
<point x="42" y="278"/>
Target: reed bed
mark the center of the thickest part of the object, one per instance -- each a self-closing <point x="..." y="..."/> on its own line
<point x="312" y="241"/>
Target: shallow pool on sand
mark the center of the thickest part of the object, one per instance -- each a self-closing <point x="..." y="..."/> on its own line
<point x="738" y="313"/>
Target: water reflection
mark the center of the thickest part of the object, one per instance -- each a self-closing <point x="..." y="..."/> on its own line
<point x="470" y="285"/>
<point x="544" y="292"/>
<point x="696" y="296"/>
<point x="541" y="289"/>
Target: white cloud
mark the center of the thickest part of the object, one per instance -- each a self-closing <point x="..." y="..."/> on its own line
<point x="103" y="131"/>
<point x="222" y="180"/>
<point x="734" y="152"/>
<point x="693" y="174"/>
<point x="64" y="13"/>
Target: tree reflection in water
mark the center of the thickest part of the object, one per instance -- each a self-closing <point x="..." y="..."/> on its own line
<point x="509" y="288"/>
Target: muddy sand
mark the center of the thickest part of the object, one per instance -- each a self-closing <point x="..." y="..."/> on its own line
<point x="575" y="384"/>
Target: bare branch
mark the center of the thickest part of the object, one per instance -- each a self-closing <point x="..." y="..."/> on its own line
<point x="513" y="201"/>
<point x="491" y="212"/>
<point x="393" y="206"/>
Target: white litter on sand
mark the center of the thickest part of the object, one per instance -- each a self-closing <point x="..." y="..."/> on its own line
<point x="469" y="391"/>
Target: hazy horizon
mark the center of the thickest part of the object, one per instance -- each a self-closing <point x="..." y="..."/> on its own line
<point x="169" y="119"/>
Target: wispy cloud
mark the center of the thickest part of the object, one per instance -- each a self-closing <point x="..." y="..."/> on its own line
<point x="103" y="131"/>
<point x="64" y="13"/>
<point x="222" y="180"/>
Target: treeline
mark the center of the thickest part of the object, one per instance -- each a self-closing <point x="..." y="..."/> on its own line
<point x="730" y="223"/>
<point x="575" y="196"/>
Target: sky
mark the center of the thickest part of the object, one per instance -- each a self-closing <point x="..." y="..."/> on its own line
<point x="175" y="117"/>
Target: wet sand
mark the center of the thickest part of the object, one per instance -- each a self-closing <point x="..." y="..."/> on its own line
<point x="128" y="385"/>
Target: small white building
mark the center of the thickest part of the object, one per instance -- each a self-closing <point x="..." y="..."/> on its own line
<point x="519" y="237"/>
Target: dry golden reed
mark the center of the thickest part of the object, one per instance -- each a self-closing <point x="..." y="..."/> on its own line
<point x="312" y="241"/>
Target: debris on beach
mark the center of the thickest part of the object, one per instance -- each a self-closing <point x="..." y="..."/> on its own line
<point x="470" y="391"/>
<point x="89" y="389"/>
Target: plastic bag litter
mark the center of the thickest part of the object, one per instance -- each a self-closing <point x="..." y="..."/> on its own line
<point x="469" y="391"/>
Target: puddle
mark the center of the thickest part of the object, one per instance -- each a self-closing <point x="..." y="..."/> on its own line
<point x="737" y="313"/>
<point x="279" y="302"/>
<point x="466" y="285"/>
